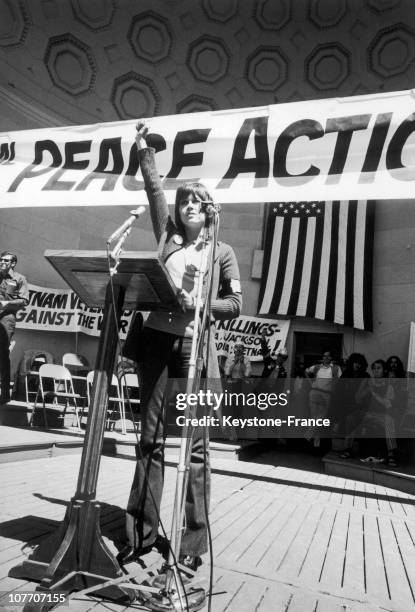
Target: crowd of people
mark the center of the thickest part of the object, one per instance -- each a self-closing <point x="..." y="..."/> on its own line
<point x="372" y="406"/>
<point x="365" y="406"/>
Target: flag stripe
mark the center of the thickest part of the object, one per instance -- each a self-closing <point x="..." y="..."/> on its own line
<point x="339" y="297"/>
<point x="307" y="267"/>
<point x="298" y="266"/>
<point x="291" y="259"/>
<point x="315" y="268"/>
<point x="368" y="267"/>
<point x="269" y="239"/>
<point x="350" y="296"/>
<point x="271" y="263"/>
<point x="324" y="264"/>
<point x="279" y="282"/>
<point x="332" y="278"/>
<point x="359" y="263"/>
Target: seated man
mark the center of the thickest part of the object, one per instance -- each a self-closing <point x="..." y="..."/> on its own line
<point x="14" y="295"/>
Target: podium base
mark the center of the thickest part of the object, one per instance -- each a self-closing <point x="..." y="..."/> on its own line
<point x="73" y="558"/>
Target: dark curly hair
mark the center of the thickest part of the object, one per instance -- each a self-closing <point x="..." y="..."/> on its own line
<point x="400" y="370"/>
<point x="356" y="358"/>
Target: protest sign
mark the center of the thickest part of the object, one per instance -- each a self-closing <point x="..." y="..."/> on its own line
<point x="248" y="330"/>
<point x="62" y="310"/>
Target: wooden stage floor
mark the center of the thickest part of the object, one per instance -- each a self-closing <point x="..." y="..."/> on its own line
<point x="284" y="539"/>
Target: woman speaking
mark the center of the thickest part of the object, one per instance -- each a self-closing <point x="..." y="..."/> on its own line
<point x="164" y="351"/>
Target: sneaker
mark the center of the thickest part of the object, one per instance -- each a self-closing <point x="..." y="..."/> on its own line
<point x="372" y="459"/>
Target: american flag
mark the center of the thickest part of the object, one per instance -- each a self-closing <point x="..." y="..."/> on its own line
<point x="318" y="261"/>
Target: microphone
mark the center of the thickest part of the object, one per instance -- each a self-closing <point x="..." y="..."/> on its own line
<point x="210" y="211"/>
<point x="127" y="224"/>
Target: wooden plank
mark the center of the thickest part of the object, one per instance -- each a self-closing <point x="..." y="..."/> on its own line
<point x="226" y="585"/>
<point x="399" y="587"/>
<point x="262" y="554"/>
<point x="253" y="545"/>
<point x="354" y="570"/>
<point x="359" y="498"/>
<point x="275" y="597"/>
<point x="347" y="498"/>
<point x="311" y="565"/>
<point x="331" y="572"/>
<point x="290" y="564"/>
<point x="281" y="543"/>
<point x="248" y="528"/>
<point x="383" y="500"/>
<point x="376" y="577"/>
<point x="406" y="550"/>
<point x="233" y="525"/>
<point x="247" y="596"/>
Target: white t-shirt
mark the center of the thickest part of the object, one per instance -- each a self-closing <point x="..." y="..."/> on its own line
<point x="324" y="376"/>
<point x="183" y="266"/>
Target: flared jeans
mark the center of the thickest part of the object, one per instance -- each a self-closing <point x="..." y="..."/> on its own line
<point x="163" y="357"/>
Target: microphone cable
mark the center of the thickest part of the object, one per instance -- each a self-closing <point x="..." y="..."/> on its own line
<point x="140" y="455"/>
<point x="206" y="319"/>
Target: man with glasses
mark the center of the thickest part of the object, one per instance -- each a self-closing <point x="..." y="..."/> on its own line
<point x="14" y="295"/>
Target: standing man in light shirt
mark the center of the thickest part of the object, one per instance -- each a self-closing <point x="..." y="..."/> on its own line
<point x="14" y="295"/>
<point x="325" y="376"/>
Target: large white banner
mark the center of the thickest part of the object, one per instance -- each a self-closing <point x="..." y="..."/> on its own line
<point x="361" y="147"/>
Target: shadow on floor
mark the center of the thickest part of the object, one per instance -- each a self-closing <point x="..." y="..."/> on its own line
<point x="294" y="454"/>
<point x="32" y="529"/>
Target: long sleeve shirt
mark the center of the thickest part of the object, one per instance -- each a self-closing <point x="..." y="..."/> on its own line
<point x="13" y="290"/>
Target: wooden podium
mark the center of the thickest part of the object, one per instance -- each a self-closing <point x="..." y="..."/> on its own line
<point x="75" y="557"/>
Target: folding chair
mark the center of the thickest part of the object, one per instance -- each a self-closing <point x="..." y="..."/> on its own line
<point x="129" y="392"/>
<point x="114" y="397"/>
<point x="58" y="387"/>
<point x="31" y="380"/>
<point x="75" y="360"/>
<point x="78" y="366"/>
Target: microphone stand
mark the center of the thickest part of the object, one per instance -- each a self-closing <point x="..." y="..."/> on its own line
<point x="122" y="234"/>
<point x="182" y="597"/>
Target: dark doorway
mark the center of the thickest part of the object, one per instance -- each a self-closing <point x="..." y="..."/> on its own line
<point x="309" y="347"/>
